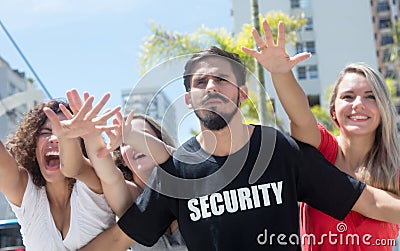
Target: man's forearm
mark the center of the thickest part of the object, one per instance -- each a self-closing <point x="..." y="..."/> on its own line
<point x="111" y="239"/>
<point x="379" y="204"/>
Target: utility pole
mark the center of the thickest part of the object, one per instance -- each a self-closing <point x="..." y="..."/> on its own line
<point x="25" y="60"/>
<point x="259" y="70"/>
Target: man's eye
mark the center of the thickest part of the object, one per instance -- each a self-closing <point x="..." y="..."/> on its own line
<point x="199" y="81"/>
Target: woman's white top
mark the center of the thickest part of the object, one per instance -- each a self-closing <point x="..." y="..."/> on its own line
<point x="90" y="215"/>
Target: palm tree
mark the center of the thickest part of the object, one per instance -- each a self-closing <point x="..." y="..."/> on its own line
<point x="259" y="70"/>
<point x="163" y="44"/>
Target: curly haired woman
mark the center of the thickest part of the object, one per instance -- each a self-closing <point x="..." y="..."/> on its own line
<point x="59" y="208"/>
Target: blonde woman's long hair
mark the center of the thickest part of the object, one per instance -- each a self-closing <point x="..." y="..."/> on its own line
<point x="382" y="163"/>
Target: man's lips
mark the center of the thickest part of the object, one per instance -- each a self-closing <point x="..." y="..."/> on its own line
<point x="214" y="98"/>
<point x="213" y="101"/>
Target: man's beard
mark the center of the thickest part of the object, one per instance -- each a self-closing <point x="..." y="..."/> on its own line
<point x="214" y="120"/>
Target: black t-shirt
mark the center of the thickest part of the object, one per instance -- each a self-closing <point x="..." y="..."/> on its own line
<point x="244" y="201"/>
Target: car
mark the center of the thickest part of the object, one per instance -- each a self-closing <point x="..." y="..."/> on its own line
<point x="10" y="236"/>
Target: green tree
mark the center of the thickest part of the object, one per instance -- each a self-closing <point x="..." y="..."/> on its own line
<point x="323" y="117"/>
<point x="394" y="60"/>
<point x="164" y="44"/>
<point x="322" y="114"/>
<point x="394" y="48"/>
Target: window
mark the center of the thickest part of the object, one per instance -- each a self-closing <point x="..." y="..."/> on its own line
<point x="310" y="46"/>
<point x="390" y="74"/>
<point x="300" y="4"/>
<point x="294" y="4"/>
<point x="313" y="100"/>
<point x="313" y="71"/>
<point x="309" y="25"/>
<point x="384" y="23"/>
<point x="301" y="72"/>
<point x="299" y="48"/>
<point x="305" y="3"/>
<point x="12" y="89"/>
<point x="386" y="40"/>
<point x="382" y="6"/>
<point x="386" y="55"/>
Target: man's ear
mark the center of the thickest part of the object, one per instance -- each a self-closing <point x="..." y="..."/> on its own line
<point x="188" y="100"/>
<point x="243" y="93"/>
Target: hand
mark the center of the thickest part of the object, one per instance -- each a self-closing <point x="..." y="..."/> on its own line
<point x="121" y="129"/>
<point x="85" y="121"/>
<point x="274" y="57"/>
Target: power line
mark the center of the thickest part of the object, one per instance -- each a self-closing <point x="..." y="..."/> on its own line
<point x="26" y="61"/>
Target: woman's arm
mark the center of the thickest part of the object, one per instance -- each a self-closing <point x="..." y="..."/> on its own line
<point x="13" y="179"/>
<point x="292" y="97"/>
<point x="119" y="196"/>
<point x="75" y="165"/>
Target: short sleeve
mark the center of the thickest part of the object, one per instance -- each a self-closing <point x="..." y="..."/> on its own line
<point x="148" y="218"/>
<point x="323" y="186"/>
<point x="328" y="145"/>
<point x="152" y="213"/>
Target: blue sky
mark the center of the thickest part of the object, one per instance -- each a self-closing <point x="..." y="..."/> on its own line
<point x="93" y="45"/>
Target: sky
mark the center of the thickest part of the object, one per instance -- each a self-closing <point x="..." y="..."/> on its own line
<point x="93" y="45"/>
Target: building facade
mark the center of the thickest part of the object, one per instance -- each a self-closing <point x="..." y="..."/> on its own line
<point x="151" y="102"/>
<point x="337" y="33"/>
<point x="160" y="94"/>
<point x="17" y="95"/>
<point x="384" y="18"/>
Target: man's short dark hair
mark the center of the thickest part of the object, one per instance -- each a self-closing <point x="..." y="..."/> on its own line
<point x="237" y="65"/>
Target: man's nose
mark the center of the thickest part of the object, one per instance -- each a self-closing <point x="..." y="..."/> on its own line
<point x="211" y="85"/>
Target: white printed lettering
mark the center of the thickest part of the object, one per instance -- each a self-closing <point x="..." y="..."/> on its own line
<point x="204" y="206"/>
<point x="245" y="198"/>
<point x="277" y="188"/>
<point x="264" y="191"/>
<point x="215" y="209"/>
<point x="195" y="216"/>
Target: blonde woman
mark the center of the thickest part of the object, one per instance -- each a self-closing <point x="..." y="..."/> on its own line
<point x="366" y="148"/>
